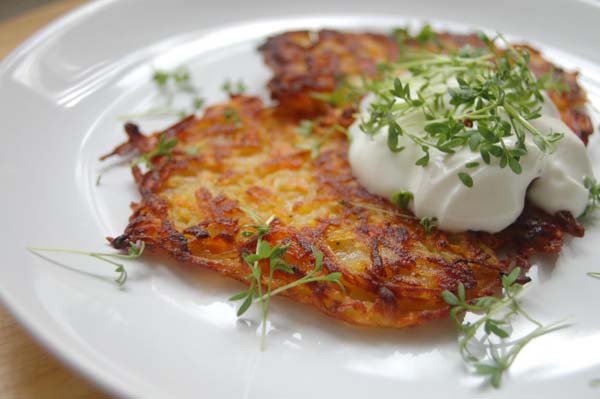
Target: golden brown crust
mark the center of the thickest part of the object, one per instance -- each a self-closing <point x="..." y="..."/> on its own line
<point x="394" y="272"/>
<point x="571" y="103"/>
<point x="304" y="63"/>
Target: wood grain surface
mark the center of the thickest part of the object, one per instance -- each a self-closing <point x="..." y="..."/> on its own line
<point x="26" y="369"/>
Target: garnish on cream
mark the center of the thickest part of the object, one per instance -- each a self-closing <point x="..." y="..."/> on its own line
<point x="470" y="136"/>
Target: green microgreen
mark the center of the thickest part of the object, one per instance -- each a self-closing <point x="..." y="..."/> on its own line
<point x="428" y="35"/>
<point x="316" y="148"/>
<point x="164" y="148"/>
<point x="272" y="256"/>
<point x="402" y="199"/>
<point x="400" y="35"/>
<point x="98" y="180"/>
<point x="428" y="223"/>
<point x="425" y="36"/>
<point x="345" y="92"/>
<point x="594" y="197"/>
<point x="466" y="179"/>
<point x="171" y="85"/>
<point x="486" y="343"/>
<point x="594" y="275"/>
<point x="232" y="116"/>
<point x="483" y="99"/>
<point x="135" y="250"/>
<point x="234" y="88"/>
<point x="308" y="128"/>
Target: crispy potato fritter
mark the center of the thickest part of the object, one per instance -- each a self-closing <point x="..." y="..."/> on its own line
<point x="193" y="203"/>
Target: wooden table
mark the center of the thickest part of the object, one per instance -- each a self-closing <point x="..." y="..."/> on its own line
<point x="26" y="369"/>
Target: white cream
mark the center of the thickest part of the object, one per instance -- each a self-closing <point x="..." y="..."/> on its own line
<point x="553" y="182"/>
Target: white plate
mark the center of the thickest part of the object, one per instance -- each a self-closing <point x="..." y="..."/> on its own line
<point x="171" y="332"/>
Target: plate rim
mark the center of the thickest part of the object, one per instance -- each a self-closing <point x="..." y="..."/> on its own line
<point x="49" y="339"/>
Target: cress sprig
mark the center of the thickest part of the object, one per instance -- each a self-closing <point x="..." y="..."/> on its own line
<point x="274" y="256"/>
<point x="475" y="97"/>
<point x="135" y="250"/>
<point x="485" y="344"/>
<point x="307" y="128"/>
<point x="232" y="116"/>
<point x="234" y="88"/>
<point x="593" y="197"/>
<point x="164" y="147"/>
<point x="169" y="85"/>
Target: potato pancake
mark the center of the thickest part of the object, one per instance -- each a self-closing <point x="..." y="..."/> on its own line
<point x="242" y="155"/>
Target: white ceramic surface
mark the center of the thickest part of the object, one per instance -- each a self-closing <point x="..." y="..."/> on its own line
<point x="171" y="333"/>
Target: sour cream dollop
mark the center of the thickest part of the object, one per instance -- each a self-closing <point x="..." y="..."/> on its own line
<point x="553" y="182"/>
